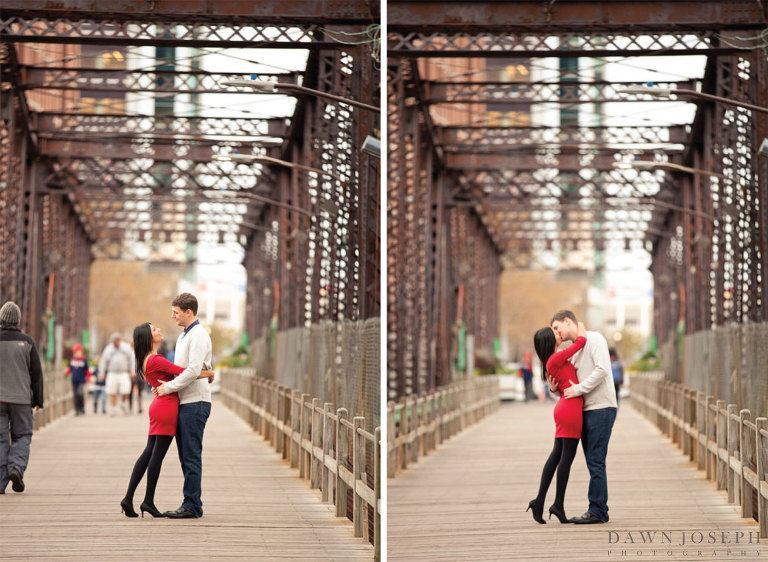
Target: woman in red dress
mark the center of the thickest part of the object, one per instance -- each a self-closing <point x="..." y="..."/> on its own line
<point x="568" y="416"/>
<point x="163" y="415"/>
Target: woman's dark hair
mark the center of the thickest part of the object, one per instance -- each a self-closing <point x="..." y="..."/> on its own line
<point x="544" y="343"/>
<point x="142" y="346"/>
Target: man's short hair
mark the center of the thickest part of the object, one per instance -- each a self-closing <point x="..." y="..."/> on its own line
<point x="186" y="301"/>
<point x="562" y="315"/>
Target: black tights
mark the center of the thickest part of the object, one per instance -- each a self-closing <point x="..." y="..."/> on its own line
<point x="560" y="458"/>
<point x="150" y="461"/>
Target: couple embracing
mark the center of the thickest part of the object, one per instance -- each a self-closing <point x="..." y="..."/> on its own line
<point x="586" y="410"/>
<point x="181" y="408"/>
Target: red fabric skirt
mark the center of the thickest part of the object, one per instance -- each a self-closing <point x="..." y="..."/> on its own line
<point x="568" y="418"/>
<point x="164" y="414"/>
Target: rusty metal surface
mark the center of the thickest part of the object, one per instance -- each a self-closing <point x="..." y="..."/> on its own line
<point x="79" y="184"/>
<point x="512" y="189"/>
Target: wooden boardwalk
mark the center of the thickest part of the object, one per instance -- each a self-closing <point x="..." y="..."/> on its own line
<point x="467" y="500"/>
<point x="256" y="508"/>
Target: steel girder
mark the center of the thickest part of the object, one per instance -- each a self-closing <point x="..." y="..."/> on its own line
<point x="224" y="11"/>
<point x="553" y="44"/>
<point x="140" y="80"/>
<point x="480" y="135"/>
<point x="564" y="160"/>
<point x="527" y="93"/>
<point x="181" y="127"/>
<point x="576" y="15"/>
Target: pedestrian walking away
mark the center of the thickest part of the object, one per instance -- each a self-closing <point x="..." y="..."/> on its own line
<point x="21" y="393"/>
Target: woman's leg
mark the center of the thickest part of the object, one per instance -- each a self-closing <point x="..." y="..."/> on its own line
<point x="569" y="446"/>
<point x="162" y="442"/>
<point x="140" y="467"/>
<point x="549" y="470"/>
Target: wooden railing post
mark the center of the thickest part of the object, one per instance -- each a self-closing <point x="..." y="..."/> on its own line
<point x="405" y="428"/>
<point x="377" y="489"/>
<point x="342" y="453"/>
<point x="710" y="437"/>
<point x="279" y="442"/>
<point x="722" y="445"/>
<point x="391" y="453"/>
<point x="733" y="452"/>
<point x="358" y="472"/>
<point x="701" y="431"/>
<point x="316" y="457"/>
<point x="295" y="427"/>
<point x="304" y="437"/>
<point x="327" y="447"/>
<point x="745" y="447"/>
<point x="761" y="452"/>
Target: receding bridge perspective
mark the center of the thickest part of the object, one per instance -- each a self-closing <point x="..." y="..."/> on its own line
<point x="230" y="150"/>
<point x="605" y="157"/>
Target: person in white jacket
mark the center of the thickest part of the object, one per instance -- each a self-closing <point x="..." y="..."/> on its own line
<point x="193" y="350"/>
<point x="595" y="384"/>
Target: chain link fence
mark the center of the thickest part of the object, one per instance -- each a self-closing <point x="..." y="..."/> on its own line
<point x="337" y="362"/>
<point x="729" y="362"/>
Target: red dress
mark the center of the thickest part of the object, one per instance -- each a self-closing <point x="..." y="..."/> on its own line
<point x="164" y="410"/>
<point x="568" y="411"/>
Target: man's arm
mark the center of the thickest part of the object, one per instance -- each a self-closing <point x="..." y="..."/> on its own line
<point x="598" y="350"/>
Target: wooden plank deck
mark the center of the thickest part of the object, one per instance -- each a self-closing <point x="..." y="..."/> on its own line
<point x="256" y="508"/>
<point x="467" y="500"/>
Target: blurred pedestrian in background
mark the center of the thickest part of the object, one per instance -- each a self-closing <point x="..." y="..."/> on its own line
<point x="78" y="370"/>
<point x="618" y="373"/>
<point x="99" y="391"/>
<point x="117" y="364"/>
<point x="21" y="390"/>
<point x="527" y="370"/>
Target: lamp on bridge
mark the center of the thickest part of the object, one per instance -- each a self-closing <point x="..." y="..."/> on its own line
<point x="651" y="165"/>
<point x="250" y="158"/>
<point x="266" y="87"/>
<point x="667" y="93"/>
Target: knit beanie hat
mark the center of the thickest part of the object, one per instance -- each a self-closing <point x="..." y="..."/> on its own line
<point x="10" y="313"/>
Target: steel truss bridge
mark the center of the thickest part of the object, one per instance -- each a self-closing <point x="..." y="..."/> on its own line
<point x="467" y="195"/>
<point x="78" y="185"/>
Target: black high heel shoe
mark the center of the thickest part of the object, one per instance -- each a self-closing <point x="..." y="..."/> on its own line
<point x="127" y="508"/>
<point x="151" y="509"/>
<point x="538" y="511"/>
<point x="558" y="512"/>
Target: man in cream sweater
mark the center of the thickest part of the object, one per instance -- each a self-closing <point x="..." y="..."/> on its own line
<point x="593" y="369"/>
<point x="193" y="350"/>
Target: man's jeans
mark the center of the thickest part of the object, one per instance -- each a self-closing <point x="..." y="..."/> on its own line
<point x="595" y="434"/>
<point x="189" y="440"/>
<point x="17" y="420"/>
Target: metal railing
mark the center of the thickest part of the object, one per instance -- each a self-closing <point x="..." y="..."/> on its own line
<point x="418" y="424"/>
<point x="336" y="454"/>
<point x="724" y="441"/>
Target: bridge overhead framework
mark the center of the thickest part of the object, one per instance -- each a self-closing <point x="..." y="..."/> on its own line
<point x="501" y="148"/>
<point x="79" y="180"/>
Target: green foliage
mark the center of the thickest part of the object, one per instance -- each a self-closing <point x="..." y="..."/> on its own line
<point x="647" y="362"/>
<point x="238" y="358"/>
